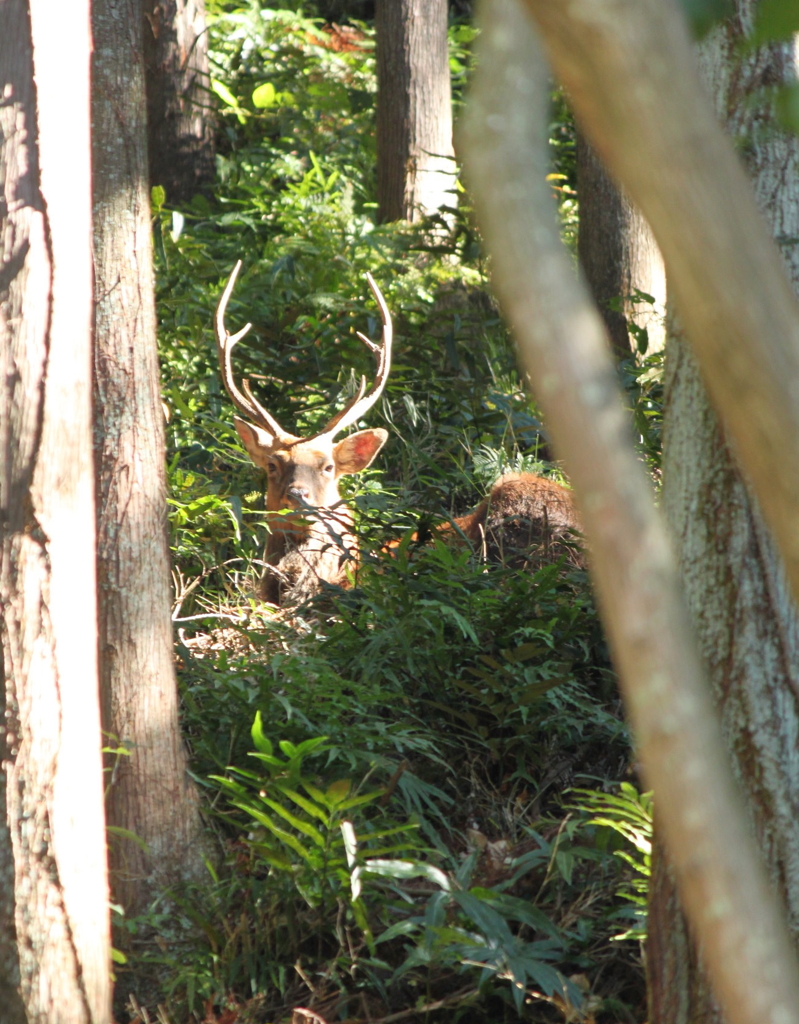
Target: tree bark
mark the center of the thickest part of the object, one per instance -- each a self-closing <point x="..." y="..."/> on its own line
<point x="743" y="613"/>
<point x="732" y="910"/>
<point x="659" y="137"/>
<point x="149" y="793"/>
<point x="415" y="157"/>
<point x="619" y="255"/>
<point x="180" y="129"/>
<point x="54" y="934"/>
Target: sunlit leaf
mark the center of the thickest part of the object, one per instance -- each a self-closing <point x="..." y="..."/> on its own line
<point x="302" y="826"/>
<point x="262" y="744"/>
<point x="264" y="95"/>
<point x="224" y="93"/>
<point x="407" y="869"/>
<point x="307" y="805"/>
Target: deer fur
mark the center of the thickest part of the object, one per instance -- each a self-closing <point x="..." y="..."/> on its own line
<point x="311" y="539"/>
<point x="304" y="547"/>
<point x="525" y="521"/>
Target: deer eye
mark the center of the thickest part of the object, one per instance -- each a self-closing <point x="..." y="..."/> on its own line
<point x="330" y="468"/>
<point x="271" y="468"/>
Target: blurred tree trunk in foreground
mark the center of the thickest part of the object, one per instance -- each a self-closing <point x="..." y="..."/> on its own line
<point x="179" y="116"/>
<point x="656" y="132"/>
<point x="619" y="256"/>
<point x="149" y="794"/>
<point x="741" y="605"/>
<point x="415" y="157"/>
<point x="54" y="934"/>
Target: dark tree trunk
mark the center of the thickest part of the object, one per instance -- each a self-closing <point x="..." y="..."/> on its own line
<point x="415" y="158"/>
<point x="618" y="254"/>
<point x="150" y="793"/>
<point x="54" y="934"/>
<point x="180" y="132"/>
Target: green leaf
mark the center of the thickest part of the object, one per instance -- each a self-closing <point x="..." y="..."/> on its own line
<point x="307" y="746"/>
<point x="704" y="14"/>
<point x="264" y="95"/>
<point x="517" y="910"/>
<point x="224" y="94"/>
<point x="490" y="923"/>
<point x="315" y="793"/>
<point x="281" y="834"/>
<point x="406" y="927"/>
<point x="359" y="911"/>
<point x="359" y="801"/>
<point x="228" y="99"/>
<point x="786" y="107"/>
<point x="124" y="833"/>
<point x="117" y="956"/>
<point x="775" y="20"/>
<point x="302" y="826"/>
<point x="307" y="805"/>
<point x="157" y="197"/>
<point x="550" y="980"/>
<point x="269" y="759"/>
<point x="261" y="742"/>
<point x="448" y="612"/>
<point x="407" y="869"/>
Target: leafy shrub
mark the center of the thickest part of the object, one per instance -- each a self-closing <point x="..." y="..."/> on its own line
<point x="472" y="696"/>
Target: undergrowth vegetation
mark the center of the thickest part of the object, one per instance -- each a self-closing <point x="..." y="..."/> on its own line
<point x="413" y="784"/>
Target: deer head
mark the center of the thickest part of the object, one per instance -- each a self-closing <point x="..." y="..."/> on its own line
<point x="304" y="471"/>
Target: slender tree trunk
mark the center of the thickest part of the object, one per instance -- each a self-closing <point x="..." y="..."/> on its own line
<point x="744" y="615"/>
<point x="415" y="158"/>
<point x="150" y="793"/>
<point x="180" y="129"/>
<point x="619" y="255"/>
<point x="657" y="132"/>
<point x="54" y="934"/>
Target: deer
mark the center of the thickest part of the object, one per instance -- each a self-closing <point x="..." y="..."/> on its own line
<point x="312" y="542"/>
<point x="525" y="520"/>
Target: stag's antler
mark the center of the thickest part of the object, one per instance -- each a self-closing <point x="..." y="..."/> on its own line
<point x="358" y="405"/>
<point x="361" y="403"/>
<point x="225" y="342"/>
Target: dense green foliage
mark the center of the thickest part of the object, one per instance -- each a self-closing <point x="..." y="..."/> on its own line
<point x="389" y="770"/>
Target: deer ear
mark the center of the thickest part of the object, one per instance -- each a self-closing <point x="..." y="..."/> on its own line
<point x="356" y="452"/>
<point x="254" y="439"/>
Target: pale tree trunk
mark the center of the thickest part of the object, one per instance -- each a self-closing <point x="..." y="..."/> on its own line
<point x="652" y="125"/>
<point x="743" y="613"/>
<point x="415" y="157"/>
<point x="54" y="934"/>
<point x="179" y="115"/>
<point x="149" y="793"/>
<point x="619" y="255"/>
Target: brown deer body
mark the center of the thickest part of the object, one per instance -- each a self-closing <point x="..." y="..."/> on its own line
<point x="312" y="542"/>
<point x="525" y="520"/>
